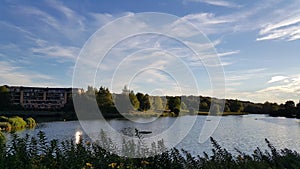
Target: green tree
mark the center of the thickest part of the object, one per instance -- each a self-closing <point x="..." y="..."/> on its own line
<point x="5" y="100"/>
<point x="134" y="101"/>
<point x="203" y="106"/>
<point x="144" y="101"/>
<point x="156" y="103"/>
<point x="290" y="108"/>
<point x="104" y="97"/>
<point x="236" y="106"/>
<point x="105" y="100"/>
<point x="226" y="108"/>
<point x="298" y="110"/>
<point x="215" y="109"/>
<point x="91" y="91"/>
<point x="174" y="103"/>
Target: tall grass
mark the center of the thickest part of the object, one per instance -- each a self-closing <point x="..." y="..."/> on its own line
<point x="37" y="152"/>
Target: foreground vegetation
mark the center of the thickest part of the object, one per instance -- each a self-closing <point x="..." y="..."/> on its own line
<point x="37" y="152"/>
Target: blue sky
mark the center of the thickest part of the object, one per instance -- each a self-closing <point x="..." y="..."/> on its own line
<point x="257" y="42"/>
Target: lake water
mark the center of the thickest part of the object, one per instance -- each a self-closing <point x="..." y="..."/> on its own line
<point x="242" y="132"/>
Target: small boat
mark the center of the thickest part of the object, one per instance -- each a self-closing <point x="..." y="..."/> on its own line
<point x="142" y="132"/>
<point x="145" y="132"/>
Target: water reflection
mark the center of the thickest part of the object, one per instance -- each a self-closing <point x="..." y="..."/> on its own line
<point x="78" y="135"/>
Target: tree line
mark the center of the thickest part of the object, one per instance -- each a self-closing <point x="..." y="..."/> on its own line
<point x="128" y="101"/>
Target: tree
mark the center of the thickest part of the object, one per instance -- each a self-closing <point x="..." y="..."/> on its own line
<point x="156" y="103"/>
<point x="203" y="106"/>
<point x="183" y="106"/>
<point x="298" y="110"/>
<point x="91" y="91"/>
<point x="104" y="100"/>
<point x="134" y="101"/>
<point x="5" y="99"/>
<point x="226" y="108"/>
<point x="236" y="106"/>
<point x="144" y="101"/>
<point x="290" y="108"/>
<point x="174" y="103"/>
<point x="215" y="109"/>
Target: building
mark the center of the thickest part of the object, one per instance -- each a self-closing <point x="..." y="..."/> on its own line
<point x="41" y="98"/>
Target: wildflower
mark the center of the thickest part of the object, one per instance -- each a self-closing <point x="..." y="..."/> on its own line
<point x="112" y="165"/>
<point x="144" y="162"/>
<point x="121" y="165"/>
<point x="88" y="164"/>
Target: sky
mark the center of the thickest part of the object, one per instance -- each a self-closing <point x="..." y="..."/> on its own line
<point x="254" y="43"/>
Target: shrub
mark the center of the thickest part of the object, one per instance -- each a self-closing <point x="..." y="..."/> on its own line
<point x="17" y="122"/>
<point x="2" y="137"/>
<point x="3" y="119"/>
<point x="30" y="122"/>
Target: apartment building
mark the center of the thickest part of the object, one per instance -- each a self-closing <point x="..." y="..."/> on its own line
<point x="41" y="98"/>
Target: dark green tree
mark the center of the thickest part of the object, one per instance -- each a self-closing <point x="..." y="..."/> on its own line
<point x="5" y="99"/>
<point x="174" y="103"/>
<point x="290" y="108"/>
<point x="226" y="108"/>
<point x="298" y="110"/>
<point x="105" y="100"/>
<point x="236" y="106"/>
<point x="134" y="101"/>
<point x="203" y="106"/>
<point x="104" y="97"/>
<point x="144" y="101"/>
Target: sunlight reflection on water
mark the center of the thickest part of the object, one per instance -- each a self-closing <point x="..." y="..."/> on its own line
<point x="78" y="135"/>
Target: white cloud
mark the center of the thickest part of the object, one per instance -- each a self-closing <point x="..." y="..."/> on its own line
<point x="68" y="52"/>
<point x="285" y="26"/>
<point x="13" y="75"/>
<point x="235" y="78"/>
<point x="40" y="15"/>
<point x="209" y="23"/>
<point x="228" y="53"/>
<point x="277" y="79"/>
<point x="273" y="92"/>
<point x="217" y="3"/>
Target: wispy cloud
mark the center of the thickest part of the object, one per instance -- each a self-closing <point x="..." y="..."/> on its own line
<point x="286" y="29"/>
<point x="209" y="23"/>
<point x="221" y="3"/>
<point x="277" y="79"/>
<point x="233" y="78"/>
<point x="13" y="75"/>
<point x="67" y="52"/>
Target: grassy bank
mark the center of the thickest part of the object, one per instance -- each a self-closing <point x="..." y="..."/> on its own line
<point x="223" y="114"/>
<point x="37" y="152"/>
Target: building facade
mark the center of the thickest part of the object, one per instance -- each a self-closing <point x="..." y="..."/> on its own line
<point x="41" y="98"/>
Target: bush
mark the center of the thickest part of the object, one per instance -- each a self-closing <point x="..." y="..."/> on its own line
<point x="2" y="138"/>
<point x="17" y="122"/>
<point x="30" y="122"/>
<point x="3" y="119"/>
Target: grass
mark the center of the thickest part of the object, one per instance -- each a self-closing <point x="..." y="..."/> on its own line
<point x="38" y="153"/>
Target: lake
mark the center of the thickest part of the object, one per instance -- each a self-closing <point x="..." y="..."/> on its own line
<point x="242" y="132"/>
